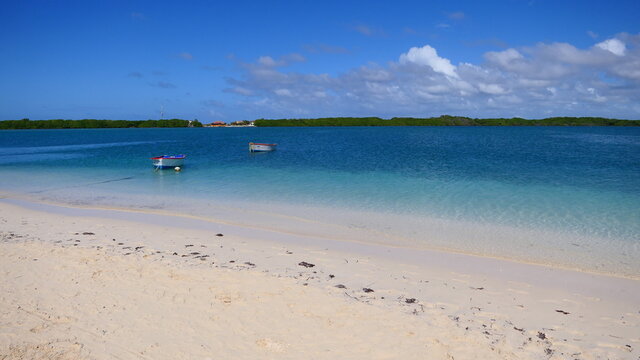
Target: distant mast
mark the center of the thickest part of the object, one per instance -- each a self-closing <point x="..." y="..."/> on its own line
<point x="161" y="112"/>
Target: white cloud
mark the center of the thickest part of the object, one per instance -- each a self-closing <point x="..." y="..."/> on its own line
<point x="564" y="53"/>
<point x="554" y="60"/>
<point x="428" y="56"/>
<point x="493" y="89"/>
<point x="628" y="70"/>
<point x="614" y="46"/>
<point x="503" y="58"/>
<point x="535" y="81"/>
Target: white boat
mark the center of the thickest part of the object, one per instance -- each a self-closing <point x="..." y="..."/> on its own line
<point x="168" y="161"/>
<point x="256" y="147"/>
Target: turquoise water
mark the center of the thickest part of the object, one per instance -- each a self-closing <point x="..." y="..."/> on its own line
<point x="561" y="195"/>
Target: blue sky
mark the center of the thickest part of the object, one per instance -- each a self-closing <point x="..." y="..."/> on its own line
<point x="245" y="60"/>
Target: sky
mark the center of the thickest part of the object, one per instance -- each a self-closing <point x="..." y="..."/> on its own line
<point x="243" y="60"/>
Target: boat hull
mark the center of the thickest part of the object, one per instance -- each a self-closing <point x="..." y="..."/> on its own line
<point x="168" y="161"/>
<point x="258" y="147"/>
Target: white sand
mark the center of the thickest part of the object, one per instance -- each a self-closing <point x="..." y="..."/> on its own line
<point x="69" y="295"/>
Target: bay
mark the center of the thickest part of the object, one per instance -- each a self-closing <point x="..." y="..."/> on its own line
<point x="565" y="196"/>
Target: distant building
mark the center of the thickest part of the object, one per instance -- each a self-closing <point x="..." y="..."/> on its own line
<point x="218" y="124"/>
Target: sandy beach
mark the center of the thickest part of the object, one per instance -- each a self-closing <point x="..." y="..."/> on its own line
<point x="110" y="284"/>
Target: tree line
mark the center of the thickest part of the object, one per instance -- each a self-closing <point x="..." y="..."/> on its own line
<point x="446" y="120"/>
<point x="95" y="124"/>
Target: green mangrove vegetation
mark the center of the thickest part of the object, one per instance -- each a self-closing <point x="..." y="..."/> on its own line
<point x="95" y="124"/>
<point x="446" y="120"/>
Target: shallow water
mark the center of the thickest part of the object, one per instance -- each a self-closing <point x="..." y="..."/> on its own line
<point x="566" y="196"/>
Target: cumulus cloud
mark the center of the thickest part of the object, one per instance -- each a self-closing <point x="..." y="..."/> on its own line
<point x="494" y="89"/>
<point x="428" y="56"/>
<point x="504" y="58"/>
<point x="533" y="81"/>
<point x="557" y="60"/>
<point x="614" y="46"/>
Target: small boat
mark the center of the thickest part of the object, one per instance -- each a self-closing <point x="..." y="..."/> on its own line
<point x="256" y="147"/>
<point x="168" y="161"/>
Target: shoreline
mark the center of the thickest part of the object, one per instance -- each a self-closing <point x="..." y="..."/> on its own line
<point x="257" y="231"/>
<point x="442" y="120"/>
<point x="470" y="305"/>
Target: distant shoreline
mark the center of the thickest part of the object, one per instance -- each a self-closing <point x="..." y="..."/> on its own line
<point x="26" y="124"/>
<point x="444" y="120"/>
